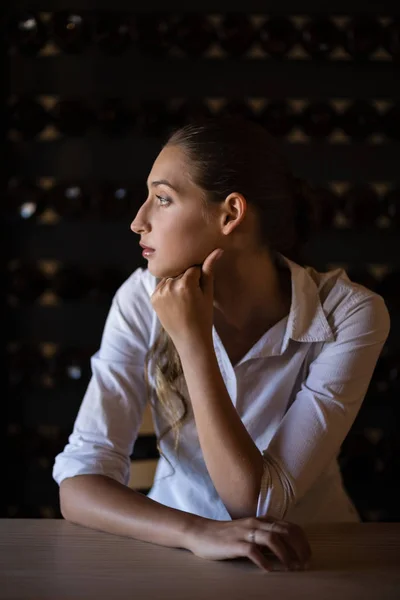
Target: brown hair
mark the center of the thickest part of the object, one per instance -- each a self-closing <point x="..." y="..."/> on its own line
<point x="231" y="154"/>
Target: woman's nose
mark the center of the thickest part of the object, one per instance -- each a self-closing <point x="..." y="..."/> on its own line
<point x="136" y="227"/>
<point x="139" y="225"/>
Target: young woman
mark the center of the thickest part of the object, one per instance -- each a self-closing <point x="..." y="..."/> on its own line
<point x="256" y="364"/>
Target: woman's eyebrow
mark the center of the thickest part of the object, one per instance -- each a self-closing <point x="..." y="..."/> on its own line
<point x="164" y="182"/>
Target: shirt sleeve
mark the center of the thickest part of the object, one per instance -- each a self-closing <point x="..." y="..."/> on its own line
<point x="112" y="408"/>
<point x="312" y="431"/>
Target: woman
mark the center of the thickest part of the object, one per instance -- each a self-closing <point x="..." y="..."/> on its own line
<point x="259" y="364"/>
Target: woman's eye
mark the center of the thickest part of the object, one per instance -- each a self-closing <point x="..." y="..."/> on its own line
<point x="164" y="199"/>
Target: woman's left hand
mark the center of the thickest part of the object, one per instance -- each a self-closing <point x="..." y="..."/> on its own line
<point x="185" y="304"/>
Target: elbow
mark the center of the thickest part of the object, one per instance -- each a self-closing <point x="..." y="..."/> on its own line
<point x="66" y="497"/>
<point x="73" y="496"/>
<point x="250" y="507"/>
<point x="79" y="489"/>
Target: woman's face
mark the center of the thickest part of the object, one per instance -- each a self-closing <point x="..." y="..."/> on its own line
<point x="172" y="221"/>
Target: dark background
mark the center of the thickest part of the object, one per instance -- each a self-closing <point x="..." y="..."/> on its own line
<point x="73" y="177"/>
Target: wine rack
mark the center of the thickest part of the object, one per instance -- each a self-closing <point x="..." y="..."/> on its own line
<point x="89" y="92"/>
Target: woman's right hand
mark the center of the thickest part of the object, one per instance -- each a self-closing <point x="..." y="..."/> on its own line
<point x="218" y="540"/>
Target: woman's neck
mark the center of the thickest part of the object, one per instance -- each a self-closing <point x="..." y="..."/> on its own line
<point x="251" y="294"/>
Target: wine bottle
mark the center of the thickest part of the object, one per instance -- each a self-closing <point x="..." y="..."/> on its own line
<point x="111" y="201"/>
<point x="70" y="283"/>
<point x="391" y="39"/>
<point x="363" y="277"/>
<point x="391" y="204"/>
<point x="115" y="32"/>
<point x="386" y="376"/>
<point x="329" y="203"/>
<point x="318" y="120"/>
<point x="72" y="31"/>
<point x="361" y="206"/>
<point x="362" y="36"/>
<point x="69" y="200"/>
<point x="71" y="365"/>
<point x="154" y="119"/>
<point x="277" y="117"/>
<point x="26" y="282"/>
<point x="390" y="122"/>
<point x="154" y="34"/>
<point x="389" y="288"/>
<point x="236" y="34"/>
<point x="114" y="118"/>
<point x="24" y="201"/>
<point x="41" y="444"/>
<point x="72" y="117"/>
<point x="104" y="282"/>
<point x="26" y="33"/>
<point x="26" y="366"/>
<point x="277" y="36"/>
<point x="28" y="117"/>
<point x="320" y="36"/>
<point x="388" y="465"/>
<point x="193" y="34"/>
<point x="359" y="120"/>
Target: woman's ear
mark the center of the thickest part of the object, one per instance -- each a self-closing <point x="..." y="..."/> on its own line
<point x="235" y="208"/>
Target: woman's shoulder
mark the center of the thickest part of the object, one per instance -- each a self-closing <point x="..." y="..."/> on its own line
<point x="339" y="294"/>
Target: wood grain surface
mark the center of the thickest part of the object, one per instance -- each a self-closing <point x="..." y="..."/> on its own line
<point x="52" y="558"/>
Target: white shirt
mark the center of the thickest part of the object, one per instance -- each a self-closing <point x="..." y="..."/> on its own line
<point x="298" y="391"/>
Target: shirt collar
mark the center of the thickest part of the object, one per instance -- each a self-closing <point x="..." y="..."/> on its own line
<point x="306" y="321"/>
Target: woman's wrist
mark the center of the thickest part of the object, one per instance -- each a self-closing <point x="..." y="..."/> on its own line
<point x="194" y="524"/>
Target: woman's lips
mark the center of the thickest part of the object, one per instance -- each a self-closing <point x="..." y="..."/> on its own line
<point x="148" y="252"/>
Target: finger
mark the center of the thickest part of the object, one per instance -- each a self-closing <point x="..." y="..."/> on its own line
<point x="274" y="542"/>
<point x="299" y="542"/>
<point x="295" y="561"/>
<point x="194" y="272"/>
<point x="281" y="528"/>
<point x="254" y="554"/>
<point x="164" y="283"/>
<point x="173" y="279"/>
<point x="291" y="553"/>
<point x="294" y="537"/>
<point x="208" y="264"/>
<point x="159" y="286"/>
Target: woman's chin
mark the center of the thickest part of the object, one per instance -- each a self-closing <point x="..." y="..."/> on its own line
<point x="164" y="273"/>
<point x="160" y="273"/>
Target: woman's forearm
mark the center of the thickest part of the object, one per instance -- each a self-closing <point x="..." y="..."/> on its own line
<point x="101" y="503"/>
<point x="233" y="460"/>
